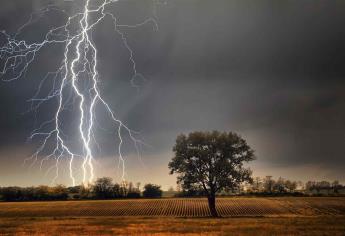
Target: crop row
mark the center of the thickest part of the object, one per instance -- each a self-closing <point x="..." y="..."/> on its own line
<point x="188" y="207"/>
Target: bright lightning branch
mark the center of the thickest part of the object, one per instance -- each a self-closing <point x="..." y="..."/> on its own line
<point x="78" y="67"/>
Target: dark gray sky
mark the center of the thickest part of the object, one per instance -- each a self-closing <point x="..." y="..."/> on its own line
<point x="273" y="71"/>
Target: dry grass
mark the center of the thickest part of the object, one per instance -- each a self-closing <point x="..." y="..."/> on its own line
<point x="242" y="216"/>
<point x="173" y="226"/>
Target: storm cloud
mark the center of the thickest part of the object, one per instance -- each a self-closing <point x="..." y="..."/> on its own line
<point x="273" y="71"/>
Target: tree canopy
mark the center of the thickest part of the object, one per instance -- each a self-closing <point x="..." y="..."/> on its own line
<point x="152" y="191"/>
<point x="213" y="161"/>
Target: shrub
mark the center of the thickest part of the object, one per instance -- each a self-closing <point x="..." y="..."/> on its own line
<point x="133" y="195"/>
<point x="152" y="191"/>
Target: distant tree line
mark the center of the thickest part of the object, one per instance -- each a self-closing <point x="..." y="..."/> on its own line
<point x="325" y="187"/>
<point x="40" y="193"/>
<point x="102" y="188"/>
<point x="268" y="186"/>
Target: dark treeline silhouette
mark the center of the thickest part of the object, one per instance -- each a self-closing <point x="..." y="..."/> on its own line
<point x="102" y="188"/>
<point x="152" y="190"/>
<point x="282" y="186"/>
<point x="40" y="193"/>
<point x="324" y="187"/>
<point x="268" y="186"/>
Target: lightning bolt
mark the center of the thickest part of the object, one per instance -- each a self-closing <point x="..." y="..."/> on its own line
<point x="79" y="66"/>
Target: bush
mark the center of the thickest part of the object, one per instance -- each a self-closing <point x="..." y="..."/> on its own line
<point x="133" y="195"/>
<point x="152" y="191"/>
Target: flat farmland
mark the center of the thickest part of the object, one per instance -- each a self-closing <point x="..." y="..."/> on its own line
<point x="176" y="216"/>
<point x="179" y="207"/>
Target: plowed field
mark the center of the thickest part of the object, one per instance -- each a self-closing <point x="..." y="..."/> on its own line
<point x="179" y="207"/>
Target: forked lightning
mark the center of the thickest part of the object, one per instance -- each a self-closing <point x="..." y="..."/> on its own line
<point x="76" y="82"/>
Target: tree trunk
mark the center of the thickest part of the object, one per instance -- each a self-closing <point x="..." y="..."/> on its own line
<point x="212" y="205"/>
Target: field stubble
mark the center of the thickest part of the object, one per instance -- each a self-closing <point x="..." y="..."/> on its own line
<point x="241" y="216"/>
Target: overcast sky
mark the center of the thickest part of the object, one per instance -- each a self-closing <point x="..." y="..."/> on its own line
<point x="273" y="71"/>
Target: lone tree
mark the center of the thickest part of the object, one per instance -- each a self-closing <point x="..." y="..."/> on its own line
<point x="212" y="161"/>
